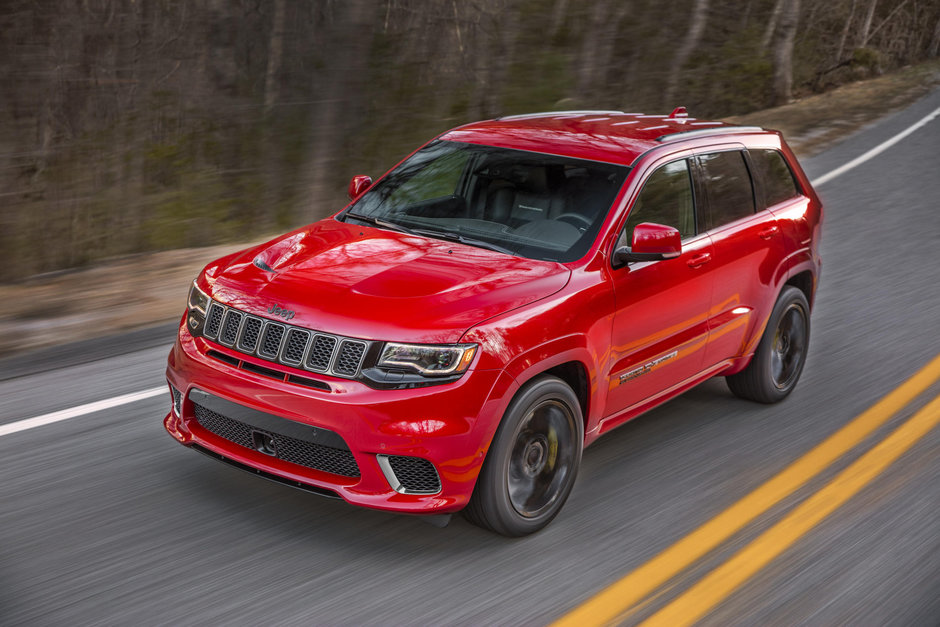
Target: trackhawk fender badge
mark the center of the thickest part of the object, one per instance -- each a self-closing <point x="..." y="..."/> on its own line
<point x="277" y="310"/>
<point x="640" y="371"/>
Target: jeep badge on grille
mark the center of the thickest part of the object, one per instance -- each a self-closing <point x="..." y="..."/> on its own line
<point x="277" y="310"/>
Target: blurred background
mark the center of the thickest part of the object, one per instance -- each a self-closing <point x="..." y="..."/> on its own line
<point x="141" y="125"/>
<point x="140" y="139"/>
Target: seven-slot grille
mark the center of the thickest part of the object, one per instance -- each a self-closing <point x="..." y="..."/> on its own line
<point x="284" y="343"/>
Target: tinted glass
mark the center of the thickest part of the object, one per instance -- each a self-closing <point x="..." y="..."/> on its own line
<point x="666" y="198"/>
<point x="438" y="179"/>
<point x="527" y="204"/>
<point x="728" y="186"/>
<point x="775" y="174"/>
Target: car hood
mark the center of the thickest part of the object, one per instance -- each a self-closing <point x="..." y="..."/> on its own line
<point x="374" y="284"/>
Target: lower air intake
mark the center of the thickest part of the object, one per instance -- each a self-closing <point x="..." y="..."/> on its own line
<point x="324" y="458"/>
<point x="413" y="475"/>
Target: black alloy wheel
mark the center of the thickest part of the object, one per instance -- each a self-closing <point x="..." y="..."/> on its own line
<point x="779" y="359"/>
<point x="532" y="463"/>
<point x="789" y="347"/>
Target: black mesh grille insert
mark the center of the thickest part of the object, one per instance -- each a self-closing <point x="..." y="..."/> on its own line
<point x="324" y="458"/>
<point x="350" y="354"/>
<point x="271" y="341"/>
<point x="321" y="352"/>
<point x="250" y="335"/>
<point x="415" y="474"/>
<point x="296" y="343"/>
<point x="214" y="319"/>
<point x="230" y="328"/>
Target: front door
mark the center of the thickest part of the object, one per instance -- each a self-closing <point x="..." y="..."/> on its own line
<point x="660" y="324"/>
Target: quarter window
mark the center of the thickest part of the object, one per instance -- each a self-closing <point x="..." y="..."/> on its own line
<point x="773" y="170"/>
<point x="666" y="198"/>
<point x="728" y="187"/>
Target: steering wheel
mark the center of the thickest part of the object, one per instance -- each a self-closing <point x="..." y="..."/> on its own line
<point x="575" y="219"/>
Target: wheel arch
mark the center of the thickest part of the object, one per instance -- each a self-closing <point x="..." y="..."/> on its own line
<point x="806" y="283"/>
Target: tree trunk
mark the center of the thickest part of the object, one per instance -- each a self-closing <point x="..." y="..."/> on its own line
<point x="350" y="31"/>
<point x="783" y="52"/>
<point x="772" y="24"/>
<point x="845" y="32"/>
<point x="587" y="68"/>
<point x="866" y="25"/>
<point x="935" y="41"/>
<point x="275" y="54"/>
<point x="692" y="37"/>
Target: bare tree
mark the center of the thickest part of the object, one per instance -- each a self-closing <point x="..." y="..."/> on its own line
<point x="772" y="24"/>
<point x="275" y="54"/>
<point x="934" y="41"/>
<point x="845" y="32"/>
<point x="865" y="31"/>
<point x="783" y="51"/>
<point x="351" y="33"/>
<point x="693" y="35"/>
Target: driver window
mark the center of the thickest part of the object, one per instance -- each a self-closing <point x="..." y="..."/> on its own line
<point x="666" y="198"/>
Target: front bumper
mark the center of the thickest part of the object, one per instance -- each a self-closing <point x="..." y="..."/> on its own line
<point x="449" y="425"/>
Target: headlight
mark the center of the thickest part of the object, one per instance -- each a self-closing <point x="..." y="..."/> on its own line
<point x="198" y="299"/>
<point x="427" y="359"/>
<point x="197" y="305"/>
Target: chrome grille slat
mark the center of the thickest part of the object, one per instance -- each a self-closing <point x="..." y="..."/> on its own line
<point x="284" y="343"/>
<point x="214" y="320"/>
<point x="271" y="340"/>
<point x="251" y="333"/>
<point x="349" y="357"/>
<point x="230" y="326"/>
<point x="321" y="353"/>
<point x="295" y="346"/>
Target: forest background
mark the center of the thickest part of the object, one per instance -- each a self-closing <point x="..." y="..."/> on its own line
<point x="139" y="125"/>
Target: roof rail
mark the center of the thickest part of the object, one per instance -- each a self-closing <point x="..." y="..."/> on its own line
<point x="550" y="114"/>
<point x="705" y="132"/>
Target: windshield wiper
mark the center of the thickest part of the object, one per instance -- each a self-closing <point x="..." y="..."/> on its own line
<point x="391" y="226"/>
<point x="445" y="235"/>
<point x="457" y="237"/>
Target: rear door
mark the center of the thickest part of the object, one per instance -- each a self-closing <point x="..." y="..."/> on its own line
<point x="749" y="254"/>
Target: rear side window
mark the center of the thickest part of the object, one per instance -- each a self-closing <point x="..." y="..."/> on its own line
<point x="776" y="175"/>
<point x="728" y="187"/>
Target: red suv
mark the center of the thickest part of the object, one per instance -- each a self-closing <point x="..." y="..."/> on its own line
<point x="505" y="295"/>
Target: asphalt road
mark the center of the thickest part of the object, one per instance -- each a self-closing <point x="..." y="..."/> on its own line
<point x="104" y="519"/>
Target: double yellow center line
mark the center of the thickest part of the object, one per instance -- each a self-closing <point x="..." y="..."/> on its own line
<point x="624" y="595"/>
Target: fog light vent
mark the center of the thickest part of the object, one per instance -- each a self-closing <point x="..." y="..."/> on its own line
<point x="410" y="475"/>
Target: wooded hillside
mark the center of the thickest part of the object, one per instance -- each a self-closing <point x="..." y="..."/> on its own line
<point x="134" y="125"/>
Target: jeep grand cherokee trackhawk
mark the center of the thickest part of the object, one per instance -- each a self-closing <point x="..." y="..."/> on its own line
<point x="512" y="290"/>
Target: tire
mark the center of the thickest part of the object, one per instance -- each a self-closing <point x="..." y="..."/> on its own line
<point x="532" y="462"/>
<point x="781" y="354"/>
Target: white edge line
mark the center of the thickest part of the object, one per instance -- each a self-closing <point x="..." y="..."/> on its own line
<point x="825" y="178"/>
<point x="81" y="410"/>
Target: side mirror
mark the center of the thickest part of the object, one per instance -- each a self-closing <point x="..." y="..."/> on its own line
<point x="651" y="242"/>
<point x="358" y="184"/>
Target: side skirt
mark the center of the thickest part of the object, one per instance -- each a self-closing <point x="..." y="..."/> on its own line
<point x="645" y="405"/>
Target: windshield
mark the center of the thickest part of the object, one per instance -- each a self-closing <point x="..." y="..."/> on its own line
<point x="523" y="203"/>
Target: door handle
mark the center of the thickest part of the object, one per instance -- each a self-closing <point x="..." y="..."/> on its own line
<point x="699" y="260"/>
<point x="769" y="232"/>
